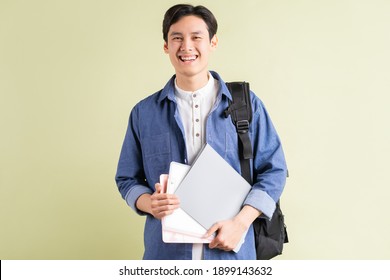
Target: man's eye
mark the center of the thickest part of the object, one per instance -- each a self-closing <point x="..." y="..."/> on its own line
<point x="177" y="38"/>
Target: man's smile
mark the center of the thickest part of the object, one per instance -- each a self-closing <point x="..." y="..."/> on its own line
<point x="186" y="58"/>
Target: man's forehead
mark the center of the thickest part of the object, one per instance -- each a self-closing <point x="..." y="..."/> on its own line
<point x="189" y="24"/>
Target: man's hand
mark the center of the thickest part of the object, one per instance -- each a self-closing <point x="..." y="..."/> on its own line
<point x="163" y="204"/>
<point x="158" y="204"/>
<point x="230" y="232"/>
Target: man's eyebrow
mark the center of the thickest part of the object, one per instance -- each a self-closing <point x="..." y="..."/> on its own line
<point x="197" y="33"/>
<point x="174" y="33"/>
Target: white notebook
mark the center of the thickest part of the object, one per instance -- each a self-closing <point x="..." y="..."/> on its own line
<point x="179" y="227"/>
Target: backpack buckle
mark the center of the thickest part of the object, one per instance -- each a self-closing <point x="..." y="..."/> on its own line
<point x="242" y="126"/>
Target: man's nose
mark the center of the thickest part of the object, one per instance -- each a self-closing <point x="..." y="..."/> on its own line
<point x="186" y="45"/>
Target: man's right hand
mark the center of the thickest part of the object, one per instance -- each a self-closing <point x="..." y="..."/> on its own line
<point x="158" y="204"/>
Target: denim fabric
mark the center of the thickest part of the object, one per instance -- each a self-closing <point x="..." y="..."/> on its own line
<point x="155" y="137"/>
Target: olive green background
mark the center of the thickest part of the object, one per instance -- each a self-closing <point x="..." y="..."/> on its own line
<point x="70" y="72"/>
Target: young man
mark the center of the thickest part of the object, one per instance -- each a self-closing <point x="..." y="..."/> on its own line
<point x="173" y="125"/>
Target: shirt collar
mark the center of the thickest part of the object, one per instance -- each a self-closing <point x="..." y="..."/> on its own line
<point x="169" y="90"/>
<point x="204" y="91"/>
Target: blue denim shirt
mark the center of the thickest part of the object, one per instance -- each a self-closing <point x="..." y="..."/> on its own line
<point x="155" y="138"/>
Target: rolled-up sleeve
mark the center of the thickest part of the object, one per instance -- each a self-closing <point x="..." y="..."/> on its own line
<point x="130" y="176"/>
<point x="269" y="165"/>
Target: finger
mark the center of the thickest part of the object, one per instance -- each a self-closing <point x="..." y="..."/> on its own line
<point x="159" y="206"/>
<point x="216" y="243"/>
<point x="164" y="211"/>
<point x="220" y="245"/>
<point x="163" y="182"/>
<point x="162" y="200"/>
<point x="172" y="197"/>
<point x="214" y="228"/>
<point x="166" y="207"/>
<point x="162" y="196"/>
<point x="158" y="187"/>
<point x="218" y="240"/>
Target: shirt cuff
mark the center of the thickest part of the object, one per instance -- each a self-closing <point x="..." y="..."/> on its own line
<point x="260" y="200"/>
<point x="133" y="194"/>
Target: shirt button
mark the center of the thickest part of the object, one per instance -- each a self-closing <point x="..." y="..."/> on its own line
<point x="197" y="120"/>
<point x="196" y="106"/>
<point x="194" y="95"/>
<point x="197" y="135"/>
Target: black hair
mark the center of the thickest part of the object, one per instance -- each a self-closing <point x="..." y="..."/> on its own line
<point x="175" y="13"/>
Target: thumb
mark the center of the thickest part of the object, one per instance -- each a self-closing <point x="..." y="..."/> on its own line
<point x="211" y="230"/>
<point x="158" y="187"/>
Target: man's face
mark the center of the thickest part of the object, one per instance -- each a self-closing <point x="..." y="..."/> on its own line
<point x="189" y="46"/>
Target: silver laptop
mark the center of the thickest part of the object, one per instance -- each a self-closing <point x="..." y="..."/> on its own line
<point x="212" y="190"/>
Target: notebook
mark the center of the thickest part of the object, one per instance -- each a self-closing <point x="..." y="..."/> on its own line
<point x="179" y="227"/>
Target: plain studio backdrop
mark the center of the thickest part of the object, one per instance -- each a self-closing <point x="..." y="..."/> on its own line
<point x="70" y="72"/>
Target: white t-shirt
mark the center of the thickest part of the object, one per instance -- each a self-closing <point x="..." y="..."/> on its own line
<point x="194" y="107"/>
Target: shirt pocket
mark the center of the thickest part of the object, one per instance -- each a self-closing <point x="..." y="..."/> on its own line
<point x="157" y="156"/>
<point x="231" y="141"/>
<point x="231" y="148"/>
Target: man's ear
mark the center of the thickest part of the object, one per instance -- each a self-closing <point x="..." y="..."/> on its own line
<point x="214" y="42"/>
<point x="165" y="47"/>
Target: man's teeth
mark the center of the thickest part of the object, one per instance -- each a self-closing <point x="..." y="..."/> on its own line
<point x="188" y="58"/>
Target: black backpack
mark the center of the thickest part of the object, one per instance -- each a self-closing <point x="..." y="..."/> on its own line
<point x="270" y="235"/>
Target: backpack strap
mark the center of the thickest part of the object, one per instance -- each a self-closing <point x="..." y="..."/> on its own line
<point x="240" y="110"/>
<point x="269" y="235"/>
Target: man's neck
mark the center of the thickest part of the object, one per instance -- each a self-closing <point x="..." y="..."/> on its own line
<point x="192" y="83"/>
